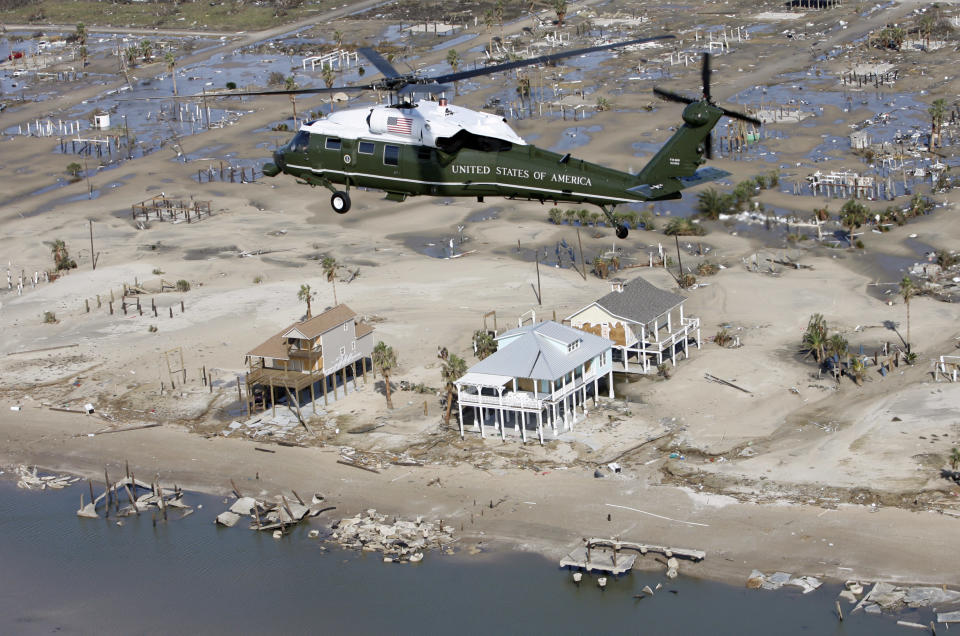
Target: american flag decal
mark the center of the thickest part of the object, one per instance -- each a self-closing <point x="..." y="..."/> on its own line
<point x="400" y="125"/>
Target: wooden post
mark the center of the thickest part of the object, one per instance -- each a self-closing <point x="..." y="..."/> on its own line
<point x="363" y="366"/>
<point x="539" y="293"/>
<point x="839" y="611"/>
<point x="313" y="398"/>
<point x="93" y="255"/>
<point x="240" y="395"/>
<point x="343" y="374"/>
<point x="273" y="402"/>
<point x="583" y="264"/>
<point x="87" y="303"/>
<point x="679" y="264"/>
<point x="325" y="402"/>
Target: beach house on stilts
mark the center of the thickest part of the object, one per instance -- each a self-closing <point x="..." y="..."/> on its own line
<point x="541" y="375"/>
<point x="646" y="324"/>
<point x="307" y="357"/>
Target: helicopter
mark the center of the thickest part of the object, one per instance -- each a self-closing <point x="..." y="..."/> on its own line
<point x="412" y="147"/>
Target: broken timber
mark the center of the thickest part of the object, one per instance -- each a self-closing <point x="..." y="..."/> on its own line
<point x="714" y="378"/>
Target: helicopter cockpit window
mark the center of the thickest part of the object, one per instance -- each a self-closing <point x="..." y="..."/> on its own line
<point x="391" y="155"/>
<point x="333" y="143"/>
<point x="300" y="141"/>
<point x="365" y="148"/>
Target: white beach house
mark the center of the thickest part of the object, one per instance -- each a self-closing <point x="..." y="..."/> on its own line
<point x="540" y="374"/>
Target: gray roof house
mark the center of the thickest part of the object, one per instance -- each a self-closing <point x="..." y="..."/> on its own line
<point x="545" y="371"/>
<point x="645" y="323"/>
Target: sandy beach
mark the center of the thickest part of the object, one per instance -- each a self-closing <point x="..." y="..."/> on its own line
<point x="802" y="474"/>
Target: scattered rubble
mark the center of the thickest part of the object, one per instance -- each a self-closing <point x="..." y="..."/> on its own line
<point x="28" y="479"/>
<point x="401" y="541"/>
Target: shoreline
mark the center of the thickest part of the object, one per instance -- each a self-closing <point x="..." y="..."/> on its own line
<point x="549" y="526"/>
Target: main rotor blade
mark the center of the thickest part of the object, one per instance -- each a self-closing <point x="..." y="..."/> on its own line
<point x="705" y="75"/>
<point x="542" y="59"/>
<point x="673" y="97"/>
<point x="294" y="91"/>
<point x="741" y="116"/>
<point x="377" y="60"/>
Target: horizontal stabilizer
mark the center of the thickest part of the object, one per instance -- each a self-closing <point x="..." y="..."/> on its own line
<point x="703" y="175"/>
<point x="670" y="189"/>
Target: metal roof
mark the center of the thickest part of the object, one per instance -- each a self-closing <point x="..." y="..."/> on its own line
<point x="540" y="352"/>
<point x="639" y="302"/>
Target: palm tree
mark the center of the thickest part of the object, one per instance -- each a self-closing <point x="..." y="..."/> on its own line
<point x="453" y="59"/>
<point x="146" y="50"/>
<point x="306" y="295"/>
<point x="453" y="369"/>
<point x="338" y="38"/>
<point x="171" y="64"/>
<point x="384" y="361"/>
<point x="712" y="203"/>
<point x="938" y="111"/>
<point x="330" y="266"/>
<point x="954" y="458"/>
<point x="852" y="215"/>
<point x="858" y="367"/>
<point x="815" y="337"/>
<point x="560" y="8"/>
<point x="837" y="346"/>
<point x="131" y="56"/>
<point x="81" y="33"/>
<point x="908" y="290"/>
<point x="83" y="55"/>
<point x="483" y="343"/>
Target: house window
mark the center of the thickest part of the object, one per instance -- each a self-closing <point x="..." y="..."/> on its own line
<point x="353" y="346"/>
<point x="346" y="326"/>
<point x="573" y="346"/>
<point x="366" y="148"/>
<point x="391" y="155"/>
<point x="343" y="351"/>
<point x="333" y="143"/>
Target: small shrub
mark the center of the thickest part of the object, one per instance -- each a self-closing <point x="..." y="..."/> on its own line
<point x="687" y="280"/>
<point x="663" y="370"/>
<point x="707" y="268"/>
<point x="556" y="216"/>
<point x="74" y="169"/>
<point x="152" y="329"/>
<point x="231" y="86"/>
<point x="49" y="318"/>
<point x="683" y="227"/>
<point x="859" y="244"/>
<point x="723" y="337"/>
<point x="257" y="279"/>
<point x="183" y="285"/>
<point x="157" y="271"/>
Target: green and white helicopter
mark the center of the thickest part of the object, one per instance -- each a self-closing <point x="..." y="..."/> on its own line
<point x="425" y="147"/>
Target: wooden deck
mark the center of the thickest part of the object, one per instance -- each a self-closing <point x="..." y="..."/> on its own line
<point x="295" y="380"/>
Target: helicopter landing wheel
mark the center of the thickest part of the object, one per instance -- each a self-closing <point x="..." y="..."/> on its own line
<point x="340" y="202"/>
<point x="622" y="231"/>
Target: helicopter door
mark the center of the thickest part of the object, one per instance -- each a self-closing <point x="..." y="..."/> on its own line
<point x="348" y="154"/>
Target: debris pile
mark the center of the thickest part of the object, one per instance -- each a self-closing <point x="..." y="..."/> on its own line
<point x="29" y="479"/>
<point x="277" y="515"/>
<point x="887" y="597"/>
<point x="759" y="580"/>
<point x="284" y="427"/>
<point x="401" y="541"/>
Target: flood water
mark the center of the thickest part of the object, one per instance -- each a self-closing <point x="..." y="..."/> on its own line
<point x="62" y="573"/>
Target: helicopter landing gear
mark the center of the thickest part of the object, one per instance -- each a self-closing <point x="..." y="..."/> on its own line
<point x="621" y="230"/>
<point x="340" y="202"/>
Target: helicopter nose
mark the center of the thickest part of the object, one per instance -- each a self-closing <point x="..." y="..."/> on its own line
<point x="275" y="168"/>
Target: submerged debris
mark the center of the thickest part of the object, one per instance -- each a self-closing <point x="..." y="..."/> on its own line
<point x="276" y="515"/>
<point x="775" y="581"/>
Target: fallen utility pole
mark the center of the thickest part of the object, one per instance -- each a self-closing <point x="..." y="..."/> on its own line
<point x="714" y="378"/>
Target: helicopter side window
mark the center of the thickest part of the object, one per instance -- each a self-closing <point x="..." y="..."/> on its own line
<point x="365" y="148"/>
<point x="391" y="155"/>
<point x="300" y="141"/>
<point x="333" y="143"/>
